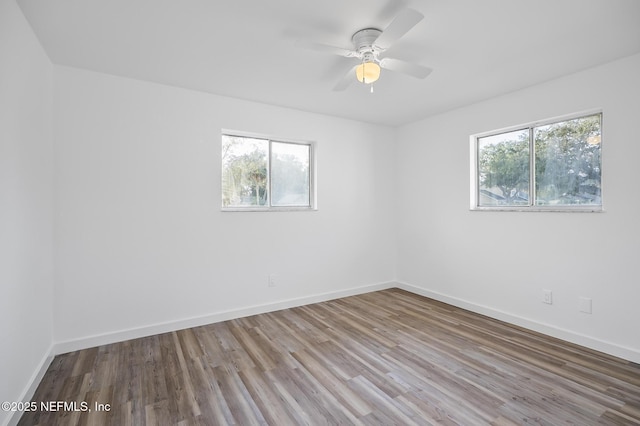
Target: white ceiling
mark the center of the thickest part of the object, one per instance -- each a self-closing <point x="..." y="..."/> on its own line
<point x="245" y="48"/>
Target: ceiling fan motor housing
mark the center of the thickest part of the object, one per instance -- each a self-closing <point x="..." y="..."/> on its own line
<point x="364" y="40"/>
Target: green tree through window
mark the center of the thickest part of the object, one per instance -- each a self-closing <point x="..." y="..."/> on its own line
<point x="568" y="162"/>
<point x="262" y="174"/>
<point x="556" y="164"/>
<point x="244" y="171"/>
<point x="504" y="168"/>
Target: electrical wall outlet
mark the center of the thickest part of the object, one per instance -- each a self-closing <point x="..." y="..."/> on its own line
<point x="272" y="280"/>
<point x="547" y="297"/>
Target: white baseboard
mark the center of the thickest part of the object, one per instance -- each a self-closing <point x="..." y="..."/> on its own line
<point x="550" y="330"/>
<point x="134" y="333"/>
<point x="32" y="385"/>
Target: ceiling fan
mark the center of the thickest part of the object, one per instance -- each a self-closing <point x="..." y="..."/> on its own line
<point x="369" y="44"/>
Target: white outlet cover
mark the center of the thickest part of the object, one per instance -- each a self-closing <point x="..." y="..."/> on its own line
<point x="585" y="305"/>
<point x="272" y="280"/>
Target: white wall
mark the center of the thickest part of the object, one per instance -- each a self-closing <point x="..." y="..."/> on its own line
<point x="141" y="240"/>
<point x="26" y="206"/>
<point x="497" y="262"/>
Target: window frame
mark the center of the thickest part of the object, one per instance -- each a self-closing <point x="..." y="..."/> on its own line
<point x="531" y="207"/>
<point x="270" y="140"/>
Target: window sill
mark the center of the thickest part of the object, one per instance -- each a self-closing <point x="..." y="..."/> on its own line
<point x="268" y="209"/>
<point x="589" y="209"/>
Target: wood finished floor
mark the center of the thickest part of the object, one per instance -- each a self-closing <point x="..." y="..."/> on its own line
<point x="388" y="357"/>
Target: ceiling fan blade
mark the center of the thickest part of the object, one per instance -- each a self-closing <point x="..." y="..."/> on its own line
<point x="319" y="47"/>
<point x="400" y="25"/>
<point x="414" y="70"/>
<point x="348" y="78"/>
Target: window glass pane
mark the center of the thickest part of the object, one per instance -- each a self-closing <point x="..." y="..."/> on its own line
<point x="503" y="169"/>
<point x="568" y="162"/>
<point x="290" y="175"/>
<point x="244" y="171"/>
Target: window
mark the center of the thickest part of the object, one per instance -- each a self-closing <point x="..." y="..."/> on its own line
<point x="263" y="174"/>
<point x="553" y="165"/>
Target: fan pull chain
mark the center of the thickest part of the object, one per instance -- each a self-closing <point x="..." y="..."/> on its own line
<point x="364" y="70"/>
<point x="364" y="73"/>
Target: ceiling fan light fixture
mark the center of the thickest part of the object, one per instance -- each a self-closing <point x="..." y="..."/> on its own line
<point x="368" y="72"/>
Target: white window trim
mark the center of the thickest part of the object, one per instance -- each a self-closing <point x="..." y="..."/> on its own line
<point x="475" y="184"/>
<point x="312" y="173"/>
